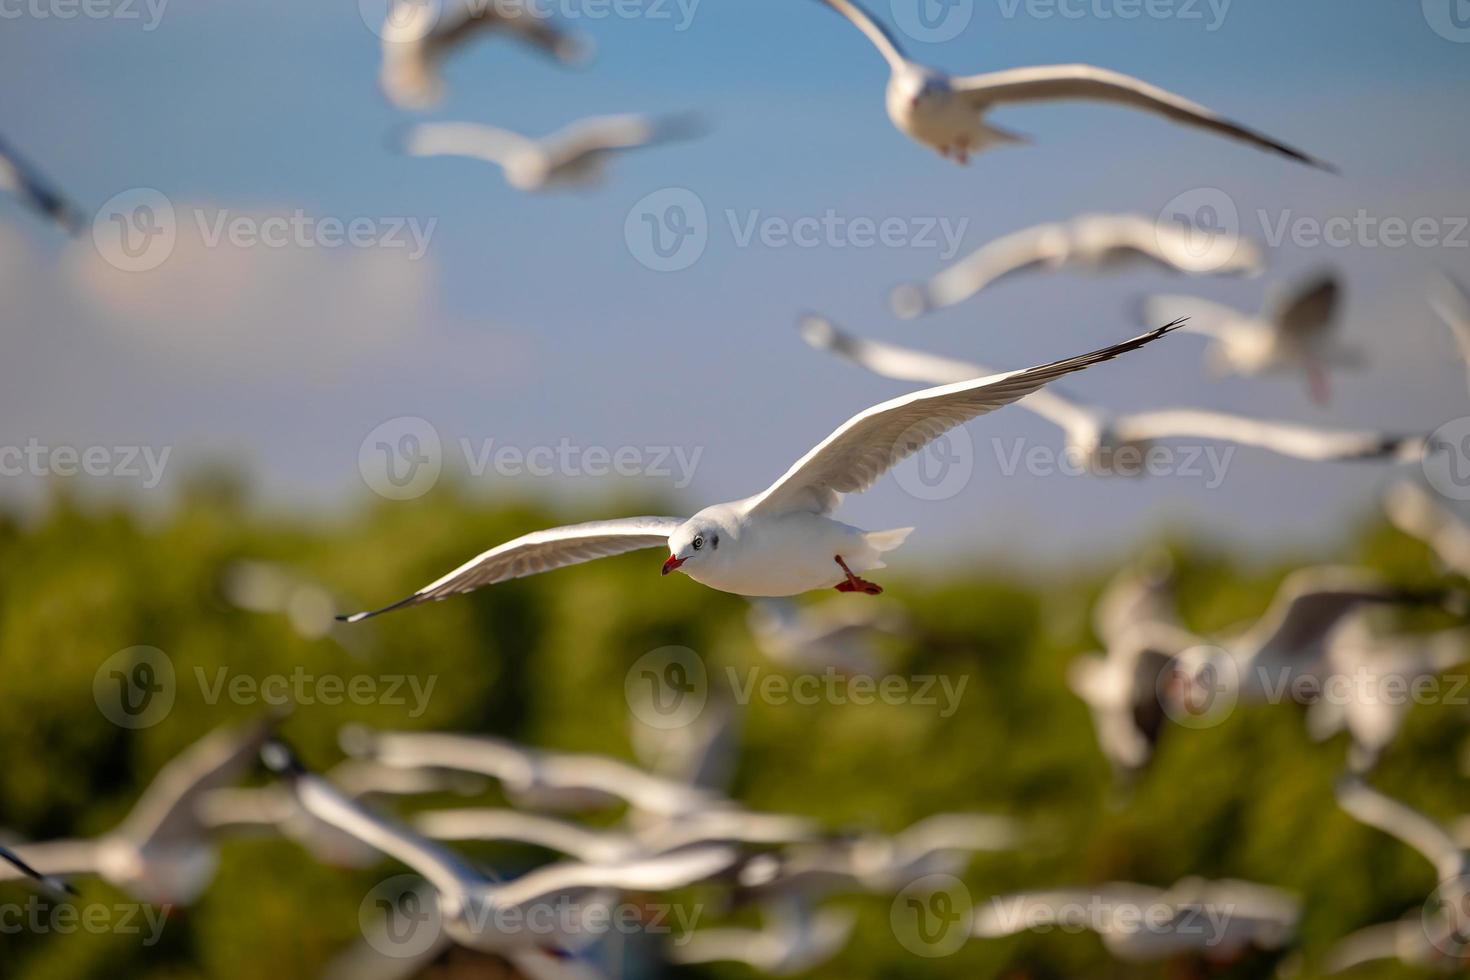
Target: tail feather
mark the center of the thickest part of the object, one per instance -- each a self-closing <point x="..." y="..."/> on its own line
<point x="881" y="541"/>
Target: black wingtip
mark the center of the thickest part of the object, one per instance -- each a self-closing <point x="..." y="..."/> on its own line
<point x="281" y="759"/>
<point x="358" y="617"/>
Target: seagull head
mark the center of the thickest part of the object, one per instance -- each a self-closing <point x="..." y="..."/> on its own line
<point x="697" y="540"/>
<point x="919" y="87"/>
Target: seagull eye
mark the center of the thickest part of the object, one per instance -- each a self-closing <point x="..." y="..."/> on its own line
<point x="698" y="542"/>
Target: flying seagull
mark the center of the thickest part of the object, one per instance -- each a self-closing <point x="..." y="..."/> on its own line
<point x="576" y="156"/>
<point x="1414" y="511"/>
<point x="1295" y="333"/>
<point x="781" y="541"/>
<point x="1092" y="242"/>
<point x="418" y="36"/>
<point x="1105" y="440"/>
<point x="26" y="183"/>
<point x="161" y="852"/>
<point x="947" y="113"/>
<point x="49" y="882"/>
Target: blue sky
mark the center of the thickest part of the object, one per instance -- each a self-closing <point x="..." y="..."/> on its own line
<point x="530" y="321"/>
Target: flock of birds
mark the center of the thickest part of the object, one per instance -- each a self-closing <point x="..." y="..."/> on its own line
<point x="680" y="829"/>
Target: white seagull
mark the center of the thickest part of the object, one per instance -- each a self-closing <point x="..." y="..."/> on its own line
<point x="1091" y="242"/>
<point x="831" y="634"/>
<point x="1414" y="511"/>
<point x="26" y="183"/>
<point x="418" y="36"/>
<point x="1116" y="443"/>
<point x="947" y="113"/>
<point x="476" y="911"/>
<point x="161" y="852"/>
<point x="576" y="156"/>
<point x="1295" y="333"/>
<point x="795" y="938"/>
<point x="781" y="541"/>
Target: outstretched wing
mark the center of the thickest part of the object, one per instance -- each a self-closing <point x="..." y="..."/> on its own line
<point x="605" y="134"/>
<point x="459" y="139"/>
<point x="1050" y="83"/>
<point x="542" y="551"/>
<point x="870" y="443"/>
<point x="1287" y="439"/>
<point x="882" y="40"/>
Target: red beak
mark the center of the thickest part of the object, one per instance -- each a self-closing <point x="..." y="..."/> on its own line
<point x="671" y="564"/>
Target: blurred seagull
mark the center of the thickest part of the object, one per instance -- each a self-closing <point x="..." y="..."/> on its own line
<point x="1249" y="916"/>
<point x="1406" y="940"/>
<point x="831" y="634"/>
<point x="1434" y="842"/>
<point x="161" y="852"/>
<point x="472" y="906"/>
<point x="947" y="113"/>
<point x="26" y="183"/>
<point x="576" y="156"/>
<point x="1414" y="511"/>
<point x="794" y="939"/>
<point x="50" y="883"/>
<point x="1092" y="242"/>
<point x="417" y="36"/>
<point x="1142" y="591"/>
<point x="1294" y="333"/>
<point x="1452" y="303"/>
<point x="781" y="541"/>
<point x="1103" y="438"/>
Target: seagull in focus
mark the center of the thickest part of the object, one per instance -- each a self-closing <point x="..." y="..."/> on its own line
<point x="418" y="36"/>
<point x="795" y="938"/>
<point x="947" y="113"/>
<point x="1110" y="443"/>
<point x="836" y="635"/>
<point x="161" y="852"/>
<point x="1452" y="303"/>
<point x="1414" y="511"/>
<point x="1132" y="923"/>
<point x="25" y="182"/>
<point x="475" y="910"/>
<point x="576" y="156"/>
<point x="1295" y="333"/>
<point x="782" y="541"/>
<point x="1092" y="242"/>
<point x="1370" y="668"/>
<point x="532" y="777"/>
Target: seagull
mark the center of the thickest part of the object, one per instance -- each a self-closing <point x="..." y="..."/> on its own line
<point x="1371" y="668"/>
<point x="1296" y="332"/>
<point x="796" y="938"/>
<point x="531" y="777"/>
<point x="1452" y="303"/>
<point x="1406" y="940"/>
<point x="26" y="183"/>
<point x="50" y="883"/>
<point x="417" y="39"/>
<point x="1130" y="917"/>
<point x="1111" y="443"/>
<point x="1414" y="511"/>
<point x="160" y="853"/>
<point x="476" y="911"/>
<point x="274" y="809"/>
<point x="947" y="113"/>
<point x="832" y="634"/>
<point x="576" y="156"/>
<point x="1141" y="592"/>
<point x="1434" y="842"/>
<point x="780" y="542"/>
<point x="1092" y="242"/>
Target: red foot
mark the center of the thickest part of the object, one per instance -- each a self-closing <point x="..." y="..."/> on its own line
<point x="855" y="584"/>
